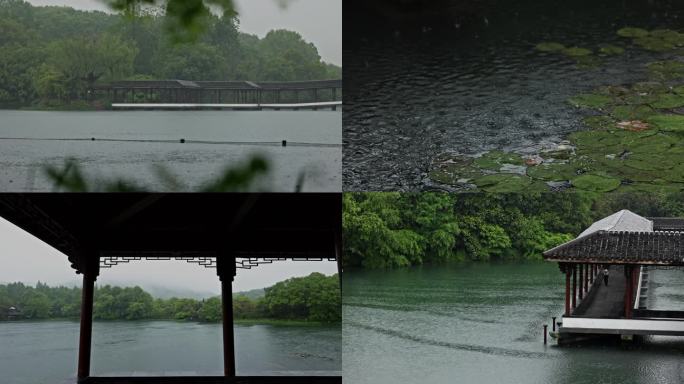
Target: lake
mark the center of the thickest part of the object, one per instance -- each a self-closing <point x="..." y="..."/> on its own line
<point x="469" y="80"/>
<point x="483" y="324"/>
<point x="46" y="352"/>
<point x="129" y="143"/>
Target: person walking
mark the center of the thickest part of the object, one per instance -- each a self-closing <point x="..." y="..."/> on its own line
<point x="605" y="276"/>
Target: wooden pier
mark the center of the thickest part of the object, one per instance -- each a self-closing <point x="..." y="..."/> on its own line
<point x="627" y="246"/>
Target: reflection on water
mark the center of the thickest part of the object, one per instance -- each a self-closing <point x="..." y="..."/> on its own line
<point x="483" y="324"/>
<point x="127" y="144"/>
<point x="470" y="80"/>
<point x="46" y="352"/>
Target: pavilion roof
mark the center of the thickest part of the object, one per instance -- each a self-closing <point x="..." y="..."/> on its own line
<point x="625" y="238"/>
<point x="233" y="225"/>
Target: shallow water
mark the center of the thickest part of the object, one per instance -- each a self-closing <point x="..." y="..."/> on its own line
<point x="46" y="352"/>
<point x="483" y="324"/>
<point x="471" y="82"/>
<point x="128" y="144"/>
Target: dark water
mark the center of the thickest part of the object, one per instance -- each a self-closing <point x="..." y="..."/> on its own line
<point x="483" y="324"/>
<point x="468" y="80"/>
<point x="129" y="143"/>
<point x="46" y="352"/>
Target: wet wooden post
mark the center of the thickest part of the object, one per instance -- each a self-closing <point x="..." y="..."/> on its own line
<point x="545" y="332"/>
<point x="586" y="277"/>
<point x="574" y="286"/>
<point x="225" y="267"/>
<point x="553" y="323"/>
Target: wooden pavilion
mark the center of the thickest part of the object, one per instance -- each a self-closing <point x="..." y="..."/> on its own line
<point x="626" y="245"/>
<point x="222" y="231"/>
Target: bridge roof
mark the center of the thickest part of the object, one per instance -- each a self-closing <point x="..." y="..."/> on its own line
<point x="625" y="238"/>
<point x="237" y="85"/>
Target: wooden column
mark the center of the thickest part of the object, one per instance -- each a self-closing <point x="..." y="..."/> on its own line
<point x="586" y="278"/>
<point x="574" y="286"/>
<point x="567" y="290"/>
<point x="628" y="291"/>
<point x="581" y="281"/>
<point x="225" y="267"/>
<point x="84" y="342"/>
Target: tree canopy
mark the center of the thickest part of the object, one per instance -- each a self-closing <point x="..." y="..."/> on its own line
<point x="387" y="230"/>
<point x="314" y="298"/>
<point x="49" y="56"/>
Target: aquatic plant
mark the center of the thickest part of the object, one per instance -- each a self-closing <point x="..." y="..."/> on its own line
<point x="550" y="47"/>
<point x="596" y="183"/>
<point x="632" y="32"/>
<point x="611" y="50"/>
<point x="576" y="52"/>
<point x="590" y="100"/>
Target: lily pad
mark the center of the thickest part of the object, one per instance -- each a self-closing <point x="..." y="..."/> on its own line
<point x="596" y="183"/>
<point x="632" y="32"/>
<point x="590" y="100"/>
<point x="550" y="47"/>
<point x="600" y="122"/>
<point x="671" y="123"/>
<point x="667" y="70"/>
<point x="668" y="101"/>
<point x="503" y="183"/>
<point x="576" y="52"/>
<point x="632" y="112"/>
<point x="611" y="50"/>
<point x="668" y="35"/>
<point x="453" y="169"/>
<point x="552" y="171"/>
<point x="654" y="44"/>
<point x="494" y="160"/>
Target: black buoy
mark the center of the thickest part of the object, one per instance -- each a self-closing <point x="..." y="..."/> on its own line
<point x="92" y="139"/>
<point x="182" y="141"/>
<point x="284" y="143"/>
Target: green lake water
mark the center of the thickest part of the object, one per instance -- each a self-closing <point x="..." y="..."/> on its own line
<point x="46" y="352"/>
<point x="483" y="324"/>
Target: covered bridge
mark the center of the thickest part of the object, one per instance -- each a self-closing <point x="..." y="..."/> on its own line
<point x="626" y="245"/>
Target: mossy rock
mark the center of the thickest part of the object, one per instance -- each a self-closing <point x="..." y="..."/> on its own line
<point x="576" y="52"/>
<point x="595" y="183"/>
<point x="632" y="112"/>
<point x="672" y="123"/>
<point x="599" y="122"/>
<point x="590" y="100"/>
<point x="503" y="183"/>
<point x="611" y="50"/>
<point x="668" y="101"/>
<point x="632" y="32"/>
<point x="654" y="44"/>
<point x="549" y="47"/>
<point x="493" y="160"/>
<point x="667" y="70"/>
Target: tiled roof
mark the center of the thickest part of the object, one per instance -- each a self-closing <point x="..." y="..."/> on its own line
<point x="620" y="247"/>
<point x="667" y="223"/>
<point x="623" y="220"/>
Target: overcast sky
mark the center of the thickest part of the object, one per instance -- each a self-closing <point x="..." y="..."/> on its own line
<point x="319" y="21"/>
<point x="27" y="259"/>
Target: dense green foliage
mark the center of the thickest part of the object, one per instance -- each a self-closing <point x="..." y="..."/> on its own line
<point x="313" y="298"/>
<point x="384" y="230"/>
<point x="50" y="56"/>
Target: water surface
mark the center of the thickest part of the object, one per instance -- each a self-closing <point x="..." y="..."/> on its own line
<point x="128" y="143"/>
<point x="46" y="352"/>
<point x="468" y="80"/>
<point x="483" y="324"/>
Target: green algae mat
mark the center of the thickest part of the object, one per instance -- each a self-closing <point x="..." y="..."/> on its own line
<point x="633" y="137"/>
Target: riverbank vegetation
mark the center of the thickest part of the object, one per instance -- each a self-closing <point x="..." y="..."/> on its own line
<point x="51" y="56"/>
<point x="312" y="299"/>
<point x="386" y="230"/>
